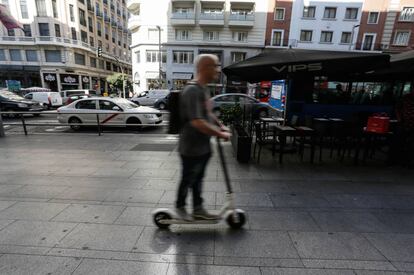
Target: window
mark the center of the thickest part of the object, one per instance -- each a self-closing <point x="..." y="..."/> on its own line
<point x="71" y="13"/>
<point x="183" y="57"/>
<point x="15" y="55"/>
<point x="92" y="62"/>
<point x="86" y="104"/>
<point x="108" y="66"/>
<point x="41" y="7"/>
<point x="279" y="14"/>
<point x="277" y="37"/>
<point x="90" y="24"/>
<point x="326" y="37"/>
<point x="330" y="13"/>
<point x="402" y="38"/>
<point x="182" y="35"/>
<point x="44" y="29"/>
<point x="113" y="36"/>
<point x="351" y="13"/>
<point x="84" y="37"/>
<point x="181" y="10"/>
<point x="99" y="28"/>
<point x="82" y="18"/>
<point x="52" y="55"/>
<point x="240" y="36"/>
<point x="57" y="30"/>
<point x="211" y="35"/>
<point x="106" y="30"/>
<point x="240" y="11"/>
<point x="407" y="14"/>
<point x="237" y="56"/>
<point x="346" y="38"/>
<point x="54" y="9"/>
<point x="31" y="55"/>
<point x="27" y="30"/>
<point x="306" y="36"/>
<point x="373" y="18"/>
<point x="74" y="36"/>
<point x="101" y="64"/>
<point x="23" y="9"/>
<point x="80" y="59"/>
<point x="368" y="42"/>
<point x="106" y="105"/>
<point x="138" y="57"/>
<point x="153" y="57"/>
<point x="11" y="32"/>
<point x="91" y="41"/>
<point x="309" y="12"/>
<point x="2" y="55"/>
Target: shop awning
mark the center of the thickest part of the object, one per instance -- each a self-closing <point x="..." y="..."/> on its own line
<point x="401" y="68"/>
<point x="275" y="64"/>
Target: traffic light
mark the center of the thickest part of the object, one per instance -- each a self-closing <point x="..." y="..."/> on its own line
<point x="99" y="51"/>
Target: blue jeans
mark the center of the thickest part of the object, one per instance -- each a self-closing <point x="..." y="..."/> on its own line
<point x="193" y="169"/>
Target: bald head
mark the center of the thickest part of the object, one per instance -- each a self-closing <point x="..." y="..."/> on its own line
<point x="207" y="66"/>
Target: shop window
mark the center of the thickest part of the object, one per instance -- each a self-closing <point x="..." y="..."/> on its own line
<point x="31" y="55"/>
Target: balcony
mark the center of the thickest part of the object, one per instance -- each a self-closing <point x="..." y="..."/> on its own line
<point x="212" y="19"/>
<point x="114" y="23"/>
<point x="183" y="19"/>
<point x="241" y="20"/>
<point x="107" y="19"/>
<point x="91" y="8"/>
<point x="120" y="27"/>
<point x="98" y="13"/>
<point x="134" y="22"/>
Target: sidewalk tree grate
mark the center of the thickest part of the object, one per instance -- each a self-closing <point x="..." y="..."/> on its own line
<point x="154" y="147"/>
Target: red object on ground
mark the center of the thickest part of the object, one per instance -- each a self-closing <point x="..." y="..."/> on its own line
<point x="378" y="124"/>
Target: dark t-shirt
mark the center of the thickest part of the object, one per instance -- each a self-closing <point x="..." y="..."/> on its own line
<point x="194" y="104"/>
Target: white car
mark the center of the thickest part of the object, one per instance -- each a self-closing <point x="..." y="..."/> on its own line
<point x="112" y="112"/>
<point x="149" y="97"/>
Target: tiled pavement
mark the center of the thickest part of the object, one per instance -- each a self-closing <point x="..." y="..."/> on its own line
<point x="81" y="204"/>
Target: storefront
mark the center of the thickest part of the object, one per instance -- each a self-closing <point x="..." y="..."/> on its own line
<point x="28" y="76"/>
<point x="180" y="80"/>
<point x="69" y="81"/>
<point x="86" y="83"/>
<point x="50" y="81"/>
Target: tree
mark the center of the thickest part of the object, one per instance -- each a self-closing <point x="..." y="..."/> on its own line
<point x="115" y="82"/>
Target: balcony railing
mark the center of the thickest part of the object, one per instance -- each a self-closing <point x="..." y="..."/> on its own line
<point x="282" y="43"/>
<point x="370" y="47"/>
<point x="242" y="17"/>
<point x="211" y="16"/>
<point x="183" y="15"/>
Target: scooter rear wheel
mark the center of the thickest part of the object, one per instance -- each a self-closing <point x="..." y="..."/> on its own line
<point x="158" y="217"/>
<point x="231" y="221"/>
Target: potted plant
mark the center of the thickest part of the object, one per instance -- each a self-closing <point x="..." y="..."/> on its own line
<point x="241" y="141"/>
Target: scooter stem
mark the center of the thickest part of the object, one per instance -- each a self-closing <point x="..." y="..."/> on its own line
<point x="224" y="166"/>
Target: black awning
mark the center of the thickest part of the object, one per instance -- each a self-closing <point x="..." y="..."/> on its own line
<point x="401" y="68"/>
<point x="275" y="64"/>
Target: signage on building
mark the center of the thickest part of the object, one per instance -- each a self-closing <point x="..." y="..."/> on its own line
<point x="49" y="77"/>
<point x="85" y="79"/>
<point x="13" y="85"/>
<point x="298" y="68"/>
<point x="69" y="79"/>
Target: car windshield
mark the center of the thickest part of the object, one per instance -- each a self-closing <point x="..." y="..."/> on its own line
<point x="10" y="95"/>
<point x="125" y="104"/>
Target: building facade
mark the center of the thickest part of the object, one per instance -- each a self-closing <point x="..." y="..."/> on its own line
<point x="57" y="46"/>
<point x="182" y="29"/>
<point x="363" y="25"/>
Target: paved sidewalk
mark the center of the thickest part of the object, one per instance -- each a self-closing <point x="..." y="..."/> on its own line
<point x="81" y="204"/>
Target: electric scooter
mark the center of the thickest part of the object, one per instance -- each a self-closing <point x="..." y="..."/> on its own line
<point x="235" y="218"/>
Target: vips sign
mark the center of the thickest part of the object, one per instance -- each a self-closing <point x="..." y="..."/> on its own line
<point x="69" y="79"/>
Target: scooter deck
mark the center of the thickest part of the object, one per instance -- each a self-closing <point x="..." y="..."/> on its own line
<point x="195" y="221"/>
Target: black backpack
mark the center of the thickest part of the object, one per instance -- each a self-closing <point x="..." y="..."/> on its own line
<point x="175" y="117"/>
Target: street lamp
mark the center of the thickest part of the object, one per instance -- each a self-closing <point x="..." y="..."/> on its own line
<point x="160" y="57"/>
<point x="352" y="36"/>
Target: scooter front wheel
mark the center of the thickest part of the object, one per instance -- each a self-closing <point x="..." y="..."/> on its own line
<point x="236" y="222"/>
<point x="162" y="216"/>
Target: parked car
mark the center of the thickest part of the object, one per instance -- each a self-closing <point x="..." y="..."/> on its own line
<point x="49" y="99"/>
<point x="149" y="98"/>
<point x="68" y="93"/>
<point x="10" y="102"/>
<point x="112" y="112"/>
<point x="259" y="109"/>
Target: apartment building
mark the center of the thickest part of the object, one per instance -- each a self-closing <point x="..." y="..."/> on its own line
<point x="182" y="29"/>
<point x="363" y="25"/>
<point x="57" y="46"/>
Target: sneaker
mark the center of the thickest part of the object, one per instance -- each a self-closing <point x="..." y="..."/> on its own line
<point x="182" y="214"/>
<point x="202" y="214"/>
